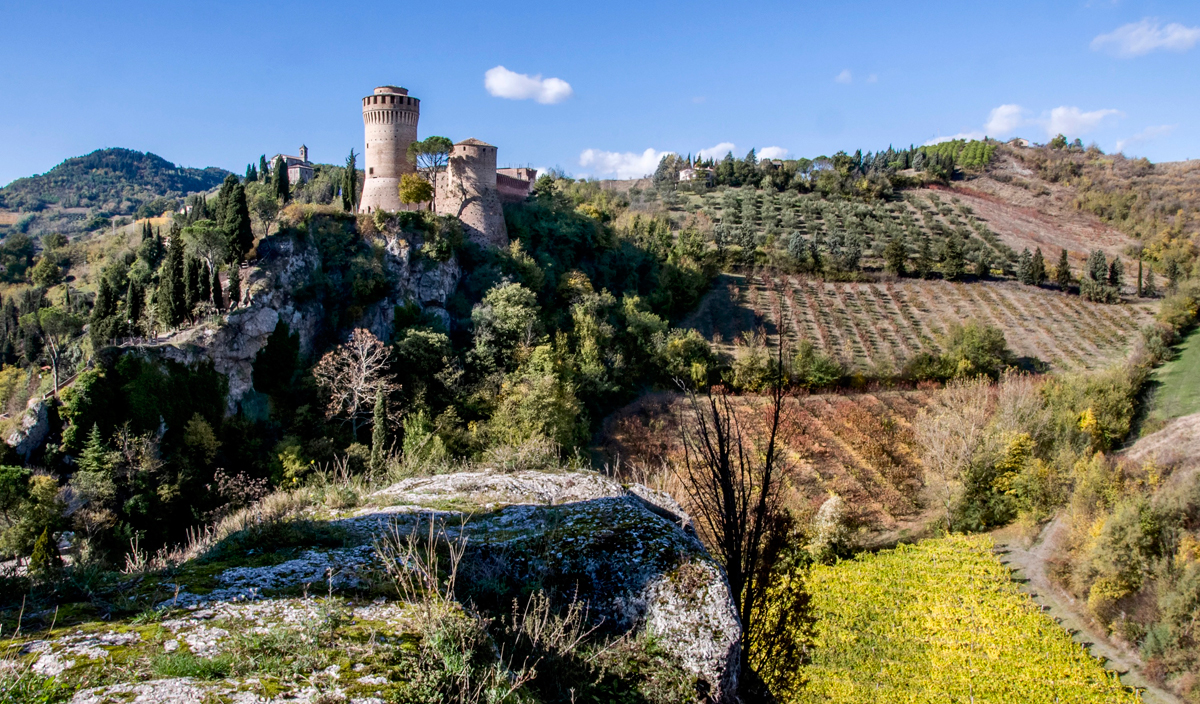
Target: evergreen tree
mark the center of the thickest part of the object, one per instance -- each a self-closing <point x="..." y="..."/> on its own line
<point x="171" y="299"/>
<point x="279" y="179"/>
<point x="1139" y="279"/>
<point x="263" y="171"/>
<point x="237" y="225"/>
<point x="235" y="287"/>
<point x="953" y="263"/>
<point x="1097" y="266"/>
<point x="45" y="556"/>
<point x="1116" y="273"/>
<point x="350" y="184"/>
<point x="1037" y="267"/>
<point x="135" y="298"/>
<point x="217" y="299"/>
<point x="191" y="282"/>
<point x="925" y="258"/>
<point x="96" y="457"/>
<point x="251" y="174"/>
<point x="379" y="434"/>
<point x="205" y="284"/>
<point x="1148" y="288"/>
<point x="1025" y="267"/>
<point x="104" y="311"/>
<point x="895" y="255"/>
<point x="1062" y="273"/>
<point x="224" y="198"/>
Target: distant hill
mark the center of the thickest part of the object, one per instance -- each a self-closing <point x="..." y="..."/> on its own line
<point x="85" y="192"/>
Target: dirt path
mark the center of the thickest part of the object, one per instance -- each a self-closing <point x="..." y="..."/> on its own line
<point x="1030" y="562"/>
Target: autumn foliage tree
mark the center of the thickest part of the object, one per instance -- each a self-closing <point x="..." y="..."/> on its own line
<point x="352" y="376"/>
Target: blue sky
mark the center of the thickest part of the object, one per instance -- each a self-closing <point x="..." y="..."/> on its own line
<point x="219" y="83"/>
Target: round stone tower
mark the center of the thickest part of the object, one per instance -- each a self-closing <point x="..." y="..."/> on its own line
<point x="467" y="189"/>
<point x="390" y="122"/>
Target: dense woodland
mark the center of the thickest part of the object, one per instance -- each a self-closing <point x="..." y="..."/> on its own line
<point x="586" y="312"/>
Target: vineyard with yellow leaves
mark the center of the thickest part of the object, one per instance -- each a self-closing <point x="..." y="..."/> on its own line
<point x="940" y="621"/>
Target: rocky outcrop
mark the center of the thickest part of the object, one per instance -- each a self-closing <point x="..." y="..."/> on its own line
<point x="619" y="550"/>
<point x="286" y="266"/>
<point x="35" y="425"/>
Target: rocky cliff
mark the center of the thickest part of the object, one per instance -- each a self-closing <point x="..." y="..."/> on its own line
<point x="286" y="266"/>
<point x="296" y="610"/>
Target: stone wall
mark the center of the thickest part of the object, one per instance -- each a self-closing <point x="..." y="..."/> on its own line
<point x="467" y="190"/>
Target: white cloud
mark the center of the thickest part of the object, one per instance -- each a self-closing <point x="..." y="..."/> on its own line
<point x="1138" y="38"/>
<point x="621" y="164"/>
<point x="503" y="83"/>
<point x="1145" y="135"/>
<point x="1004" y="119"/>
<point x="772" y="153"/>
<point x="844" y="77"/>
<point x="960" y="135"/>
<point x="716" y="152"/>
<point x="1073" y="122"/>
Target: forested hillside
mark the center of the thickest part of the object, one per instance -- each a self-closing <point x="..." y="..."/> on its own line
<point x="86" y="192"/>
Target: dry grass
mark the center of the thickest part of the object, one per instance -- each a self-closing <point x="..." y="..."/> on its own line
<point x="876" y="327"/>
<point x="859" y="447"/>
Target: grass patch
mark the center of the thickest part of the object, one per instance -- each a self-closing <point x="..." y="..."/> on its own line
<point x="185" y="664"/>
<point x="1177" y="383"/>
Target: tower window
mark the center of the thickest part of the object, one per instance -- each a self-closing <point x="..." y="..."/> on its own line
<point x="371" y="171"/>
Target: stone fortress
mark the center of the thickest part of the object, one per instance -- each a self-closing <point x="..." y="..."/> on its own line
<point x="470" y="188"/>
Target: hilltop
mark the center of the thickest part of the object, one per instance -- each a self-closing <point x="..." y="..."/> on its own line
<point x="83" y="193"/>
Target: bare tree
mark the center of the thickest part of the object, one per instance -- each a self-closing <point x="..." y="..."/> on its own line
<point x="951" y="434"/>
<point x="353" y="375"/>
<point x="731" y="474"/>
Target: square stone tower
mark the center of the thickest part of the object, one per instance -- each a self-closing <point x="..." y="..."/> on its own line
<point x="390" y="123"/>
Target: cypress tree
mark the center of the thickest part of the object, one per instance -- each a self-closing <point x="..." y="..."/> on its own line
<point x="134" y="300"/>
<point x="217" y="298"/>
<point x="1037" y="267"/>
<point x="1139" y="283"/>
<point x="925" y="258"/>
<point x="171" y="299"/>
<point x="237" y="225"/>
<point x="350" y="183"/>
<point x="1148" y="289"/>
<point x="1062" y="273"/>
<point x="1116" y="273"/>
<point x="1025" y="267"/>
<point x="224" y="199"/>
<point x="191" y="283"/>
<point x="205" y="284"/>
<point x="279" y="178"/>
<point x="251" y="175"/>
<point x="263" y="171"/>
<point x="379" y="432"/>
<point x="235" y="287"/>
<point x="104" y="310"/>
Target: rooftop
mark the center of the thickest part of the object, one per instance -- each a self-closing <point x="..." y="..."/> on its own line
<point x="474" y="143"/>
<point x="391" y="90"/>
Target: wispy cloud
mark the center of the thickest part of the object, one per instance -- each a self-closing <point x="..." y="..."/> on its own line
<point x="1140" y="38"/>
<point x="716" y="151"/>
<point x="621" y="164"/>
<point x="1073" y="122"/>
<point x="1145" y="136"/>
<point x="844" y="77"/>
<point x="772" y="153"/>
<point x="503" y="83"/>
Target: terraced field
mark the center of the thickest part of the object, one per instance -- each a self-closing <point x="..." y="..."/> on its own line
<point x="859" y="446"/>
<point x="877" y="326"/>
